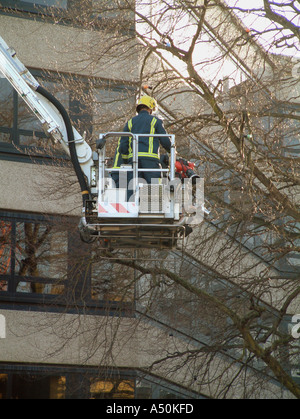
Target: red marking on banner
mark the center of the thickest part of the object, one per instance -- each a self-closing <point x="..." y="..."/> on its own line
<point x="102" y="210"/>
<point x="120" y="208"/>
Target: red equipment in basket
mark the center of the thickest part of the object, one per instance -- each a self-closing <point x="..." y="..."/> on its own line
<point x="185" y="169"/>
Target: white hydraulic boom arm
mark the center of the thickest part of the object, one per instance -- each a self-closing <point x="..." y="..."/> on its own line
<point x="49" y="111"/>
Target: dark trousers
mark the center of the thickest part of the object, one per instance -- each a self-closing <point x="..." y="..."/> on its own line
<point x="145" y="163"/>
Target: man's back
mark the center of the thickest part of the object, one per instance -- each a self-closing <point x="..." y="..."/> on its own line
<point x="144" y="123"/>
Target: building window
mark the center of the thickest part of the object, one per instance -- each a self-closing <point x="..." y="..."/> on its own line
<point x="93" y="105"/>
<point x="69" y="382"/>
<point x="111" y="389"/>
<point x="34" y="5"/>
<point x="149" y="387"/>
<point x="33" y="257"/>
<point x="20" y="130"/>
<point x="63" y="4"/>
<point x="96" y="14"/>
<point x="111" y="282"/>
<point x="42" y="259"/>
<point x="32" y="386"/>
<point x="26" y="384"/>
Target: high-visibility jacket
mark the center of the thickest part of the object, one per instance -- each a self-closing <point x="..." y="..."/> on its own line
<point x="148" y="147"/>
<point x="119" y="158"/>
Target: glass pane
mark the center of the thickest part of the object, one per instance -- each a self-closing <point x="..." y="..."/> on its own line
<point x="57" y="3"/>
<point x="112" y="389"/>
<point x="3" y="386"/>
<point x="143" y="390"/>
<point x="26" y="118"/>
<point x="30" y="386"/>
<point x="58" y="387"/>
<point x="54" y="288"/>
<point x="111" y="107"/>
<point x="80" y="113"/>
<point x="28" y="121"/>
<point x="291" y="138"/>
<point x="3" y="285"/>
<point x="5" y="137"/>
<point x="112" y="283"/>
<point x="5" y="249"/>
<point x="168" y="394"/>
<point x="41" y="251"/>
<point x="6" y="109"/>
<point x="60" y="92"/>
<point x="33" y="141"/>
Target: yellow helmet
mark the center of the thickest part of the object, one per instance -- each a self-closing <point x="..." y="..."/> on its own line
<point x="148" y="101"/>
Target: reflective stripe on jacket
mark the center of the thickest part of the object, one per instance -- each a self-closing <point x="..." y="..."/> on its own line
<point x="119" y="158"/>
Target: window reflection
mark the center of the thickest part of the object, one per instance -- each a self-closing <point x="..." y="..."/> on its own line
<point x="18" y="125"/>
<point x="74" y="385"/>
<point x="39" y="386"/>
<point x="6" y="111"/>
<point x="34" y="256"/>
<point x="5" y="248"/>
<point x="112" y="282"/>
<point x="40" y="252"/>
<point x="33" y="386"/>
<point x="48" y="259"/>
<point x="154" y="390"/>
<point x="49" y="3"/>
<point x="26" y="119"/>
<point x="112" y="389"/>
<point x="6" y="106"/>
<point x="3" y="385"/>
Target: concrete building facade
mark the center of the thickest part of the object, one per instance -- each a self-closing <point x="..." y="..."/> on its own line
<point x="72" y="326"/>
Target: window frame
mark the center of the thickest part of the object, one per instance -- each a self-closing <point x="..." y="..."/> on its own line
<point x="61" y="15"/>
<point x="82" y="376"/>
<point x="81" y="294"/>
<point x="12" y="278"/>
<point x="25" y="6"/>
<point x="156" y="385"/>
<point x="19" y="150"/>
<point x="26" y="153"/>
